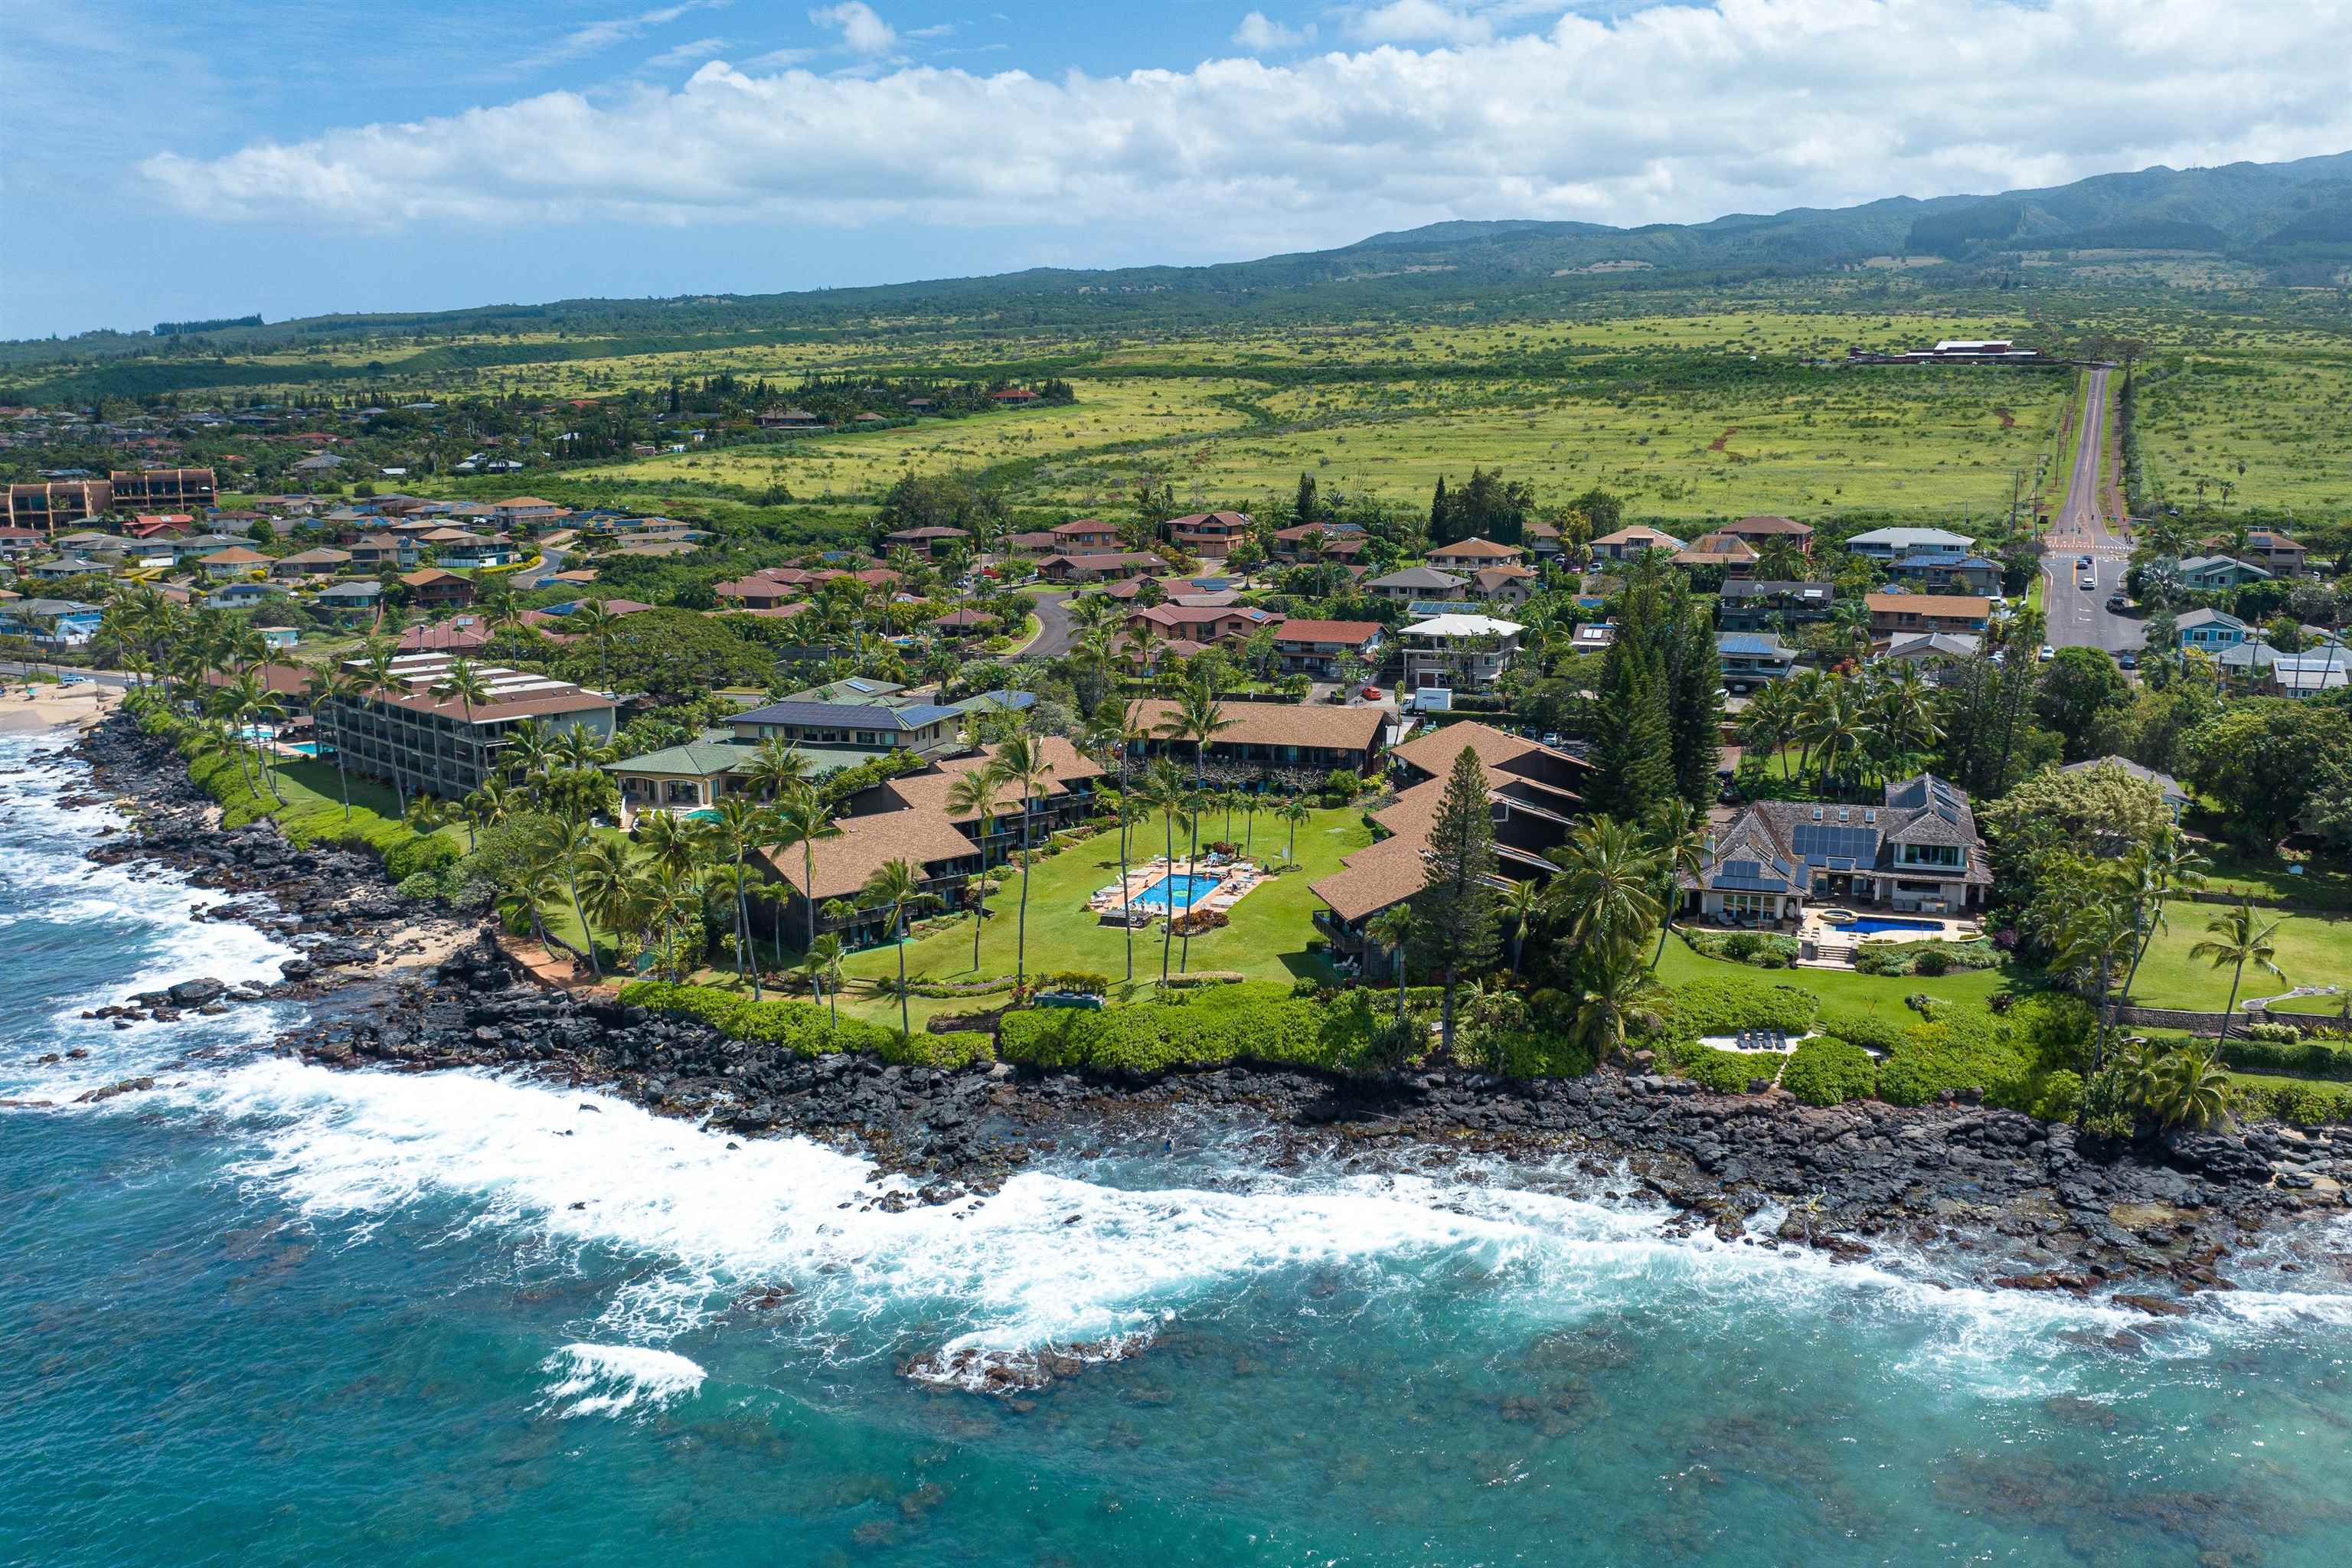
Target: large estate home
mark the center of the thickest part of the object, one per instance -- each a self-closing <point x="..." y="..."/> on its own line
<point x="1918" y="851"/>
<point x="1887" y="543"/>
<point x="1408" y="583"/>
<point x="1536" y="794"/>
<point x="444" y="745"/>
<point x="1632" y="542"/>
<point x="1764" y="530"/>
<point x="2271" y="551"/>
<point x="1281" y="744"/>
<point x="1466" y="555"/>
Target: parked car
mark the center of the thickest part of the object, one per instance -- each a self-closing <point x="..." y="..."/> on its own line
<point x="2128" y="659"/>
<point x="2048" y="653"/>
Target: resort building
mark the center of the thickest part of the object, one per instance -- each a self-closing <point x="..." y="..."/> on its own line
<point x="1536" y="791"/>
<point x="1067" y="799"/>
<point x="945" y="859"/>
<point x="440" y="745"/>
<point x="1918" y="852"/>
<point x="1279" y="744"/>
<point x="1461" y="653"/>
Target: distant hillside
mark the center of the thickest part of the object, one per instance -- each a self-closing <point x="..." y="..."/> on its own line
<point x="2291" y="223"/>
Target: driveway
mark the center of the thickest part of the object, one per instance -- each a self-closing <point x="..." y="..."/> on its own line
<point x="2077" y="616"/>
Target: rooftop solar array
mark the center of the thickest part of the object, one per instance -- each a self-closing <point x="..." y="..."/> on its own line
<point x="1825" y="845"/>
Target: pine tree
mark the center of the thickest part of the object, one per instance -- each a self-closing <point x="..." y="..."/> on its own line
<point x="1437" y="534"/>
<point x="1307" y="508"/>
<point x="1693" y="711"/>
<point x="1459" y="929"/>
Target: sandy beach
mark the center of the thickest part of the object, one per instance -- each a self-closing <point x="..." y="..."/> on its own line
<point x="52" y="706"/>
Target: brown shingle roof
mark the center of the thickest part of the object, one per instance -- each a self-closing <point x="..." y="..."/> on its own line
<point x="1285" y="725"/>
<point x="929" y="791"/>
<point x="1387" y="873"/>
<point x="868" y="843"/>
<point x="1355" y="634"/>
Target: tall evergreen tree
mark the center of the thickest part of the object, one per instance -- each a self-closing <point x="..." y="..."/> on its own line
<point x="1437" y="534"/>
<point x="1457" y="903"/>
<point x="1307" y="508"/>
<point x="1693" y="711"/>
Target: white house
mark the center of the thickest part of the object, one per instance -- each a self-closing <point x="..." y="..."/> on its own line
<point x="1466" y="653"/>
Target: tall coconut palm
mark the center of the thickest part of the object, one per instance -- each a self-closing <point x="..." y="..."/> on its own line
<point x="1607" y="888"/>
<point x="596" y="626"/>
<point x="673" y="849"/>
<point x="327" y="688"/>
<point x="1678" y="838"/>
<point x="1392" y="929"/>
<point x="1021" y="766"/>
<point x="897" y="885"/>
<point x="1609" y="1004"/>
<point x="611" y="889"/>
<point x="740" y="828"/>
<point x="464" y="680"/>
<point x="2238" y="940"/>
<point x="1161" y="790"/>
<point x="800" y="819"/>
<point x="1292" y="812"/>
<point x="2096" y="936"/>
<point x="974" y="794"/>
<point x="773" y="767"/>
<point x="822" y="966"/>
<point x="568" y="841"/>
<point x="256" y="707"/>
<point x="529" y="753"/>
<point x="2153" y="874"/>
<point x="1521" y="905"/>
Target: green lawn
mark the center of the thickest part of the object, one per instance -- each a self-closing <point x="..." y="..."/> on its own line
<point x="2313" y="949"/>
<point x="1837" y="987"/>
<point x="2237" y="871"/>
<point x="1266" y="940"/>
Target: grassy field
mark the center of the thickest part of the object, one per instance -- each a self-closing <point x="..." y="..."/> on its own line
<point x="2253" y="418"/>
<point x="1266" y="940"/>
<point x="1837" y="987"/>
<point x="2313" y="949"/>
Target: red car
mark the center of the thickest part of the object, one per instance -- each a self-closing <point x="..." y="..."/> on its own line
<point x="1371" y="694"/>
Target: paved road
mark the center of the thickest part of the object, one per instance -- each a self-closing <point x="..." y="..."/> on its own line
<point x="1057" y="630"/>
<point x="2078" y="616"/>
<point x="114" y="677"/>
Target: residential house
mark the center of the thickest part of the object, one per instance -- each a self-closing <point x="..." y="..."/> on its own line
<point x="519" y="510"/>
<point x="787" y="419"/>
<point x="964" y="622"/>
<point x="1632" y="542"/>
<point x="1204" y="624"/>
<point x="1939" y="569"/>
<point x="1085" y="535"/>
<point x="1467" y="556"/>
<point x="202" y="546"/>
<point x="1750" y="658"/>
<point x="443" y="745"/>
<point x="16" y="544"/>
<point x="1209" y="535"/>
<point x="66" y="566"/>
<point x="472" y="553"/>
<point x="1280" y="745"/>
<point x="1594" y="637"/>
<point x="1534" y="794"/>
<point x="1919" y="851"/>
<point x="321" y="561"/>
<point x="759" y="591"/>
<point x="360" y="597"/>
<point x="1409" y="583"/>
<point x="1746" y="604"/>
<point x="1460" y="652"/>
<point x="242" y="596"/>
<point x="1509" y="585"/>
<point x="931" y="542"/>
<point x="1543" y="538"/>
<point x="236" y="560"/>
<point x="1765" y="530"/>
<point x="2310" y="674"/>
<point x="1095" y="568"/>
<point x="433" y="589"/>
<point x="1732" y="557"/>
<point x="1327" y="541"/>
<point x="50" y="623"/>
<point x="1889" y="543"/>
<point x="384" y="552"/>
<point x="872" y="716"/>
<point x="2271" y="551"/>
<point x="1894" y="615"/>
<point x="1937" y="652"/>
<point x="1318" y="648"/>
<point x="2209" y="630"/>
<point x="2212" y="573"/>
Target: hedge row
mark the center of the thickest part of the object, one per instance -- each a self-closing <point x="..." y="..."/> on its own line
<point x="801" y="1027"/>
<point x="1261" y="1021"/>
<point x="2296" y="1104"/>
<point x="1726" y="1007"/>
<point x="1826" y="1070"/>
<point x="2305" y="1059"/>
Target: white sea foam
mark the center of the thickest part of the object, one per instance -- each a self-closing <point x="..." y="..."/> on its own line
<point x="613" y="1379"/>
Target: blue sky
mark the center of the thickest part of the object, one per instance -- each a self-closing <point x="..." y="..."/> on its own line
<point x="198" y="160"/>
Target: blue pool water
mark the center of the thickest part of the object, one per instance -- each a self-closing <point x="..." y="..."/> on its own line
<point x="1175" y="893"/>
<point x="1867" y="924"/>
<point x="308" y="748"/>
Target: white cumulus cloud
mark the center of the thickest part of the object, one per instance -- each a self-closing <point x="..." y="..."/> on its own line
<point x="1256" y="32"/>
<point x="862" y="27"/>
<point x="1420" y="21"/>
<point x="1670" y="113"/>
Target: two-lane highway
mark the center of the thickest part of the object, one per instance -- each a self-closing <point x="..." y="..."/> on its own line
<point x="2078" y="615"/>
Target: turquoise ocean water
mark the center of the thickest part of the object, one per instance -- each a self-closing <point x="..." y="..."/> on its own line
<point x="270" y="1314"/>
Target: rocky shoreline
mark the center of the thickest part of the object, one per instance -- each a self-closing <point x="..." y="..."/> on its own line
<point x="2032" y="1206"/>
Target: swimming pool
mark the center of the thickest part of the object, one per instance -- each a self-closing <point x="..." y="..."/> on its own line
<point x="310" y="748"/>
<point x="1174" y="892"/>
<point x="1866" y="925"/>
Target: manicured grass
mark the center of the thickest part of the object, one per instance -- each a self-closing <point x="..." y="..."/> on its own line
<point x="1266" y="940"/>
<point x="2313" y="949"/>
<point x="1837" y="987"/>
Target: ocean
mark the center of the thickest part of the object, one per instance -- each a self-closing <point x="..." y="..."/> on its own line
<point x="270" y="1313"/>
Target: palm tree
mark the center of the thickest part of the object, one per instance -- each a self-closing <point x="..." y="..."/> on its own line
<point x="251" y="705"/>
<point x="974" y="794"/>
<point x="2098" y="933"/>
<point x="2237" y="941"/>
<point x="1519" y="905"/>
<point x="1830" y="726"/>
<point x="463" y="680"/>
<point x="326" y="688"/>
<point x="1392" y="929"/>
<point x="895" y="886"/>
<point x="1769" y="723"/>
<point x="1610" y="1003"/>
<point x="773" y="767"/>
<point x="2152" y="873"/>
<point x="1679" y="839"/>
<point x="530" y="752"/>
<point x="1021" y="764"/>
<point x="1163" y="791"/>
<point x="822" y="966"/>
<point x="740" y="827"/>
<point x="595" y="626"/>
<point x="800" y="817"/>
<point x="537" y="889"/>
<point x="1293" y="811"/>
<point x="2192" y="1090"/>
<point x="375" y="670"/>
<point x="610" y="888"/>
<point x="1607" y="882"/>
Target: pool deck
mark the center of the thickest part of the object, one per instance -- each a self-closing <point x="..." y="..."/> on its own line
<point x="1235" y="879"/>
<point x="1825" y="946"/>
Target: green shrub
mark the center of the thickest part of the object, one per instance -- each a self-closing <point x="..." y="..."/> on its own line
<point x="2275" y="1034"/>
<point x="2303" y="1058"/>
<point x="1963" y="1049"/>
<point x="419" y="854"/>
<point x="1871" y="1031"/>
<point x="800" y="1028"/>
<point x="2307" y="1104"/>
<point x="1826" y="1070"/>
<point x="1725" y="1072"/>
<point x="947" y="1052"/>
<point x="1192" y="980"/>
<point x="1726" y="1007"/>
<point x="2061" y="1096"/>
<point x="1931" y="964"/>
<point x="1088" y="981"/>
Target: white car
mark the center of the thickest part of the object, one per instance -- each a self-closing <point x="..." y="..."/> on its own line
<point x="2048" y="653"/>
